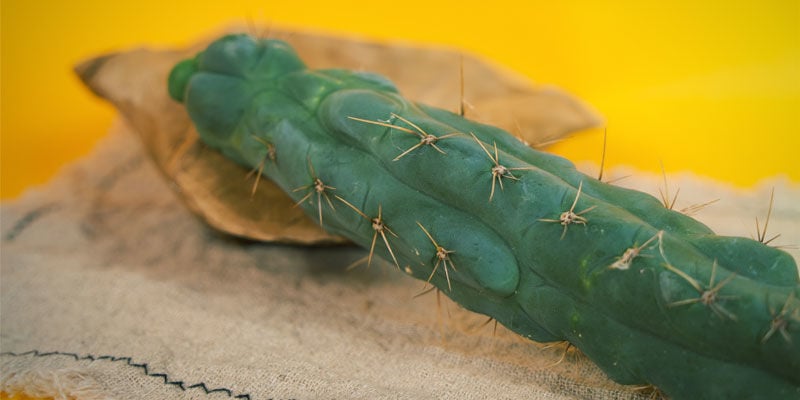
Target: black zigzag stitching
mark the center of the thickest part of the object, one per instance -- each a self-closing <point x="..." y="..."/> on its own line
<point x="129" y="361"/>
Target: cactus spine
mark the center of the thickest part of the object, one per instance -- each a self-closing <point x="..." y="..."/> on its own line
<point x="650" y="295"/>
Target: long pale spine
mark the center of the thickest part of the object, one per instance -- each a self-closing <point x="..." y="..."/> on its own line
<point x="651" y="295"/>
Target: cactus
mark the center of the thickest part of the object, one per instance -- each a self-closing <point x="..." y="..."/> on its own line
<point x="652" y="296"/>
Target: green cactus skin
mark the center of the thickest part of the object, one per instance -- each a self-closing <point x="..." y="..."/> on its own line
<point x="650" y="295"/>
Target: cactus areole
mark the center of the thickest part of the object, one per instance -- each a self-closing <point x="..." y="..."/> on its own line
<point x="652" y="296"/>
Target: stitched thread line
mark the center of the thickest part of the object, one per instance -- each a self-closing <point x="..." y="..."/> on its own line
<point x="129" y="361"/>
<point x="26" y="220"/>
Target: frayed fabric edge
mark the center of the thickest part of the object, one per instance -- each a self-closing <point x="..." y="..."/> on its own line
<point x="60" y="384"/>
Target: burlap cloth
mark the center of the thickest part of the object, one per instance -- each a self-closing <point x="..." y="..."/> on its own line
<point x="112" y="289"/>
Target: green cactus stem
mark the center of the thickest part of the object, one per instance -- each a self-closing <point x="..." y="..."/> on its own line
<point x="649" y="294"/>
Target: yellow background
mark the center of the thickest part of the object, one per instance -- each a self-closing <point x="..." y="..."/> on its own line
<point x="711" y="87"/>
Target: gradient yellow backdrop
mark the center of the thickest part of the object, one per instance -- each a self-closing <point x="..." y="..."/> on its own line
<point x="711" y="87"/>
